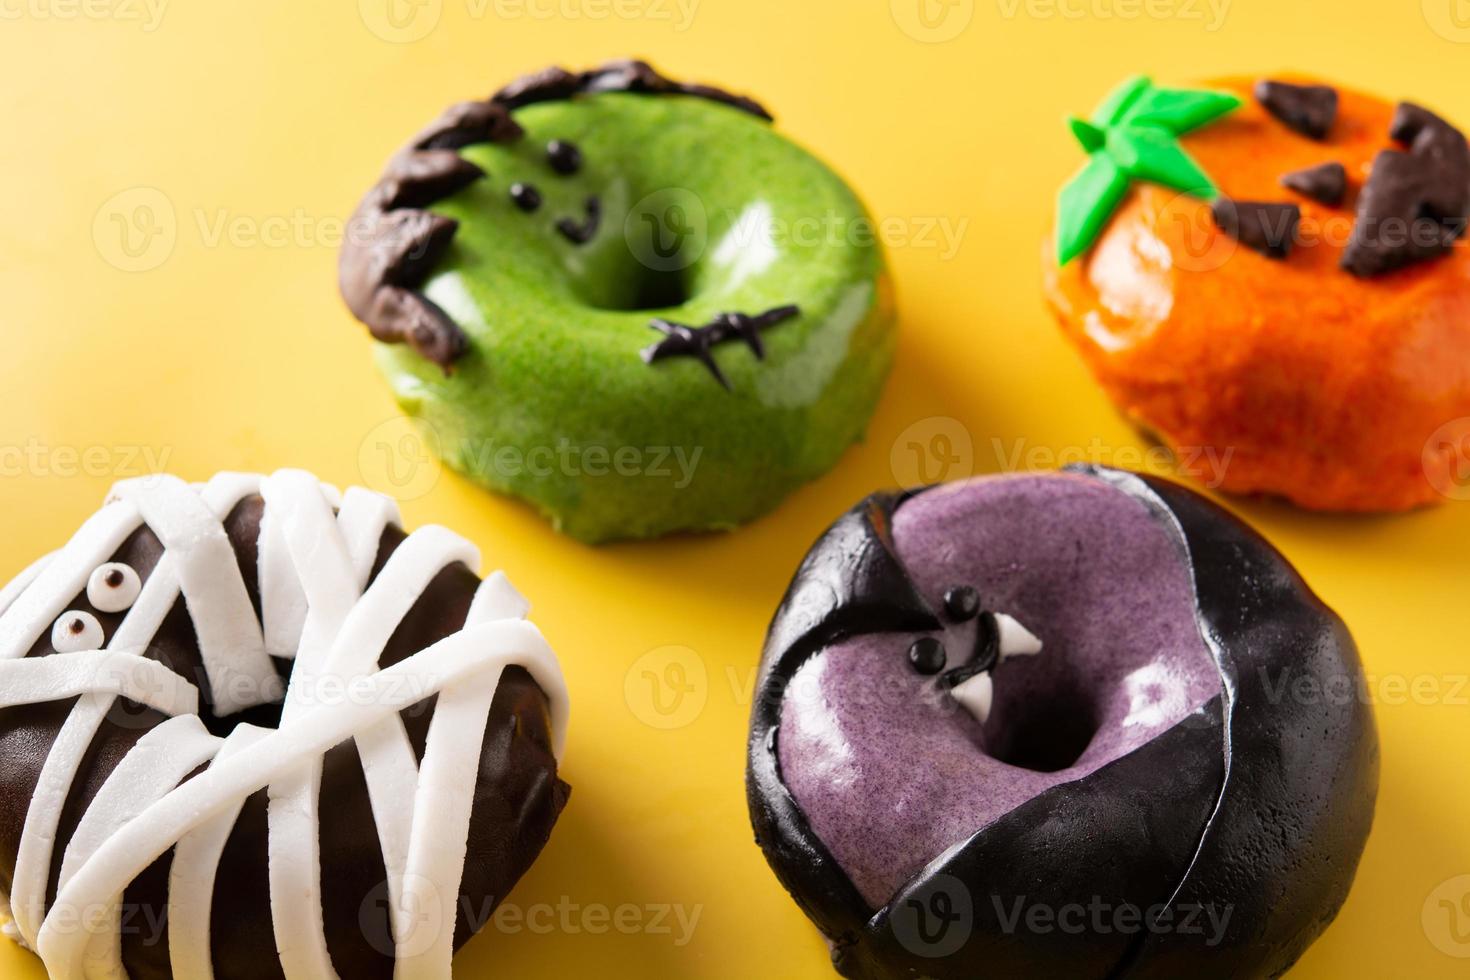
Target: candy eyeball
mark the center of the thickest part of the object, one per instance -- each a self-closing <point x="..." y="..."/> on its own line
<point x="113" y="587"/>
<point x="76" y="631"/>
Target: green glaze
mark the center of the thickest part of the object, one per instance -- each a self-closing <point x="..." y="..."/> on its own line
<point x="1133" y="135"/>
<point x="553" y="393"/>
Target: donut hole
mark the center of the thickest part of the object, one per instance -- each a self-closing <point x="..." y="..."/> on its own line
<point x="639" y="289"/>
<point x="260" y="716"/>
<point x="1046" y="731"/>
<point x="647" y="265"/>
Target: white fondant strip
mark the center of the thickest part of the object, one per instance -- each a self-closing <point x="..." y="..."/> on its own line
<point x="364" y="517"/>
<point x="446" y="664"/>
<point x="387" y="757"/>
<point x="156" y="764"/>
<point x="429" y="903"/>
<point x="317" y="551"/>
<point x="32" y="613"/>
<point x="203" y="561"/>
<point x="329" y="579"/>
<point x="321" y="560"/>
<point x="119" y="672"/>
<point x="369" y="626"/>
<point x="497" y="598"/>
<point x="97" y="678"/>
<point x="21" y="582"/>
<point x="192" y="876"/>
<point x="282" y="599"/>
<point x="38" y="835"/>
<point x="296" y="873"/>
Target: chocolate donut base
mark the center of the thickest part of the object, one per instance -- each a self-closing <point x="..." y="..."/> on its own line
<point x="518" y="796"/>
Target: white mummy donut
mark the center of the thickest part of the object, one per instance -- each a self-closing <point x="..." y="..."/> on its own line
<point x="330" y="603"/>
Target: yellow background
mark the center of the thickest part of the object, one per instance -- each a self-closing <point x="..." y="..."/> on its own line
<point x="243" y="132"/>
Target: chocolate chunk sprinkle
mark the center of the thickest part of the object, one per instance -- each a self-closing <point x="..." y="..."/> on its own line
<point x="580" y="233"/>
<point x="547" y="85"/>
<point x="1325" y="183"/>
<point x="1307" y="109"/>
<point x="682" y="340"/>
<point x="526" y="197"/>
<point x="396" y="241"/>
<point x="565" y="158"/>
<point x="638" y="77"/>
<point x="1267" y="227"/>
<point x="466" y="123"/>
<point x="1415" y="204"/>
<point x="927" y="655"/>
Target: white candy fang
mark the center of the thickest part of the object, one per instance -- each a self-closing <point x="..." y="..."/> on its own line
<point x="977" y="694"/>
<point x="1015" y="639"/>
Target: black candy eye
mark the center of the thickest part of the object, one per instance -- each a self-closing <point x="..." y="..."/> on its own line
<point x="962" y="603"/>
<point x="564" y="157"/>
<point x="927" y="655"/>
<point x="526" y="197"/>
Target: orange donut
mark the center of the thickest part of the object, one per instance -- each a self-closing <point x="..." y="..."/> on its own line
<point x="1332" y="390"/>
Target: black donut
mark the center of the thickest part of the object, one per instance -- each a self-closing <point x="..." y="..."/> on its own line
<point x="1240" y="798"/>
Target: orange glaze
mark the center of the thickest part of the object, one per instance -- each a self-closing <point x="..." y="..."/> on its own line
<point x="1323" y="388"/>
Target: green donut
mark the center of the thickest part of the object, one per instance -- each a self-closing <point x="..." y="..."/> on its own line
<point x="545" y="348"/>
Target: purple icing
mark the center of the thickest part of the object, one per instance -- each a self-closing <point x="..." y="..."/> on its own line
<point x="891" y="773"/>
